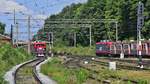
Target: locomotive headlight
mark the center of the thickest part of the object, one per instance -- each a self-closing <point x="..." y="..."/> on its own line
<point x="40" y="48"/>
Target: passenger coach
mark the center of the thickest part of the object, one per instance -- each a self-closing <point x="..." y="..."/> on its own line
<point x="127" y="48"/>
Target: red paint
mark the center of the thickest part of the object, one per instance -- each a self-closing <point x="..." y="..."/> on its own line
<point x="102" y="52"/>
<point x="109" y="43"/>
<point x="39" y="45"/>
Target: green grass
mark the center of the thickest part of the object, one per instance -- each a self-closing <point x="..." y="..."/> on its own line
<point x="76" y="50"/>
<point x="62" y="75"/>
<point x="142" y="77"/>
<point x="10" y="57"/>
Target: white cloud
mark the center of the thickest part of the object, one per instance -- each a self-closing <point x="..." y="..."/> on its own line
<point x="10" y="5"/>
<point x="40" y="16"/>
<point x="80" y="1"/>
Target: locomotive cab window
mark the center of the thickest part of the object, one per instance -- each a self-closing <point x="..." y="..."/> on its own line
<point x="40" y="45"/>
<point x="102" y="47"/>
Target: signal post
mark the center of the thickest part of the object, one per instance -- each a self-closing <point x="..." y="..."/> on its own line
<point x="140" y="23"/>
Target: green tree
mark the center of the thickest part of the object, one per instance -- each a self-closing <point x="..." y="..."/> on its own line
<point x="2" y="28"/>
<point x="124" y="11"/>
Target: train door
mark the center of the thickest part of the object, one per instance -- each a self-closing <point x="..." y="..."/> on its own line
<point x="113" y="49"/>
<point x="133" y="48"/>
<point x="148" y="45"/>
<point x="118" y="48"/>
<point x="144" y="48"/>
<point x="126" y="49"/>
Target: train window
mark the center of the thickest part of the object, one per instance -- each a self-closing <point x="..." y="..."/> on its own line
<point x="118" y="47"/>
<point x="148" y="44"/>
<point x="125" y="46"/>
<point x="133" y="46"/>
<point x="112" y="47"/>
<point x="40" y="45"/>
<point x="143" y="46"/>
<point x="102" y="47"/>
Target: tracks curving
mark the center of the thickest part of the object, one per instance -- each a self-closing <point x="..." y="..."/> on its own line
<point x="26" y="73"/>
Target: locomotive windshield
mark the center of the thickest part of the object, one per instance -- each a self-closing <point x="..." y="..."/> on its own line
<point x="40" y="45"/>
<point x="102" y="47"/>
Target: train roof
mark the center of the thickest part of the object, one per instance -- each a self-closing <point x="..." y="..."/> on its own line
<point x="104" y="43"/>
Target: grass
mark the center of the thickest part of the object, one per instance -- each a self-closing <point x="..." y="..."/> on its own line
<point x="143" y="77"/>
<point x="62" y="75"/>
<point x="10" y="57"/>
<point x="118" y="76"/>
<point x="76" y="50"/>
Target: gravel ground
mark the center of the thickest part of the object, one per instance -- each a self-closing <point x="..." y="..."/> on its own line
<point x="45" y="79"/>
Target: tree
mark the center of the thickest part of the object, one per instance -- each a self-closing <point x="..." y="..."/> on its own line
<point x="2" y="28"/>
<point x="124" y="11"/>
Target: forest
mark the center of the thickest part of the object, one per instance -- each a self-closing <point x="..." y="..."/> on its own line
<point x="122" y="11"/>
<point x="2" y="28"/>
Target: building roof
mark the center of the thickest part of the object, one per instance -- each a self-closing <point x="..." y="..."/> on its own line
<point x="4" y="37"/>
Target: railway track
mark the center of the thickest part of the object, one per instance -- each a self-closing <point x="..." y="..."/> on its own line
<point x="76" y="61"/>
<point x="121" y="64"/>
<point x="26" y="73"/>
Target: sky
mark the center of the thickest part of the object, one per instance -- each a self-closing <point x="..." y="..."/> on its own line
<point x="37" y="9"/>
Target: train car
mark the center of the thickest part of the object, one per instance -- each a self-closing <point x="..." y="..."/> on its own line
<point x="40" y="49"/>
<point x="103" y="48"/>
<point x="127" y="48"/>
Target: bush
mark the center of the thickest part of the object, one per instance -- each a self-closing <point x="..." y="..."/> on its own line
<point x="76" y="50"/>
<point x="10" y="57"/>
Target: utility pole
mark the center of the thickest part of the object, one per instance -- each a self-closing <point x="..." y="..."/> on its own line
<point x="11" y="35"/>
<point x="49" y="38"/>
<point x="140" y="23"/>
<point x="29" y="43"/>
<point x="52" y="38"/>
<point x="75" y="39"/>
<point x="14" y="17"/>
<point x="90" y="35"/>
<point x="116" y="31"/>
<point x="13" y="41"/>
<point x="17" y="33"/>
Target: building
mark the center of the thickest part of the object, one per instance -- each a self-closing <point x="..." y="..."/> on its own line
<point x="5" y="39"/>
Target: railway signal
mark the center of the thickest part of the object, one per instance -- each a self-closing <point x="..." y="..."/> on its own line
<point x="140" y="23"/>
<point x="140" y="19"/>
<point x="140" y="8"/>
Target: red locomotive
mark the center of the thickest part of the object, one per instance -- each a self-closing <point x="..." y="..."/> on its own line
<point x="127" y="48"/>
<point x="40" y="48"/>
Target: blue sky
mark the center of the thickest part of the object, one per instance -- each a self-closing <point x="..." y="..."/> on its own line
<point x="35" y="8"/>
